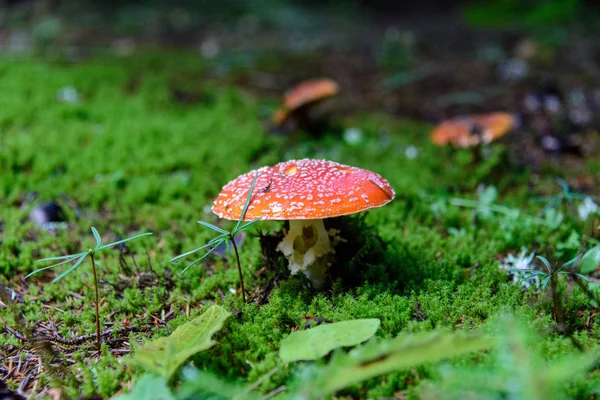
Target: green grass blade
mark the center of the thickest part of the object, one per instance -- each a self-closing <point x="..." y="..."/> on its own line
<point x="247" y="202"/>
<point x="123" y="241"/>
<point x="97" y="237"/>
<point x="70" y="258"/>
<point x="545" y="262"/>
<point x="545" y="282"/>
<point x="214" y="241"/>
<point x="58" y="258"/>
<point x="246" y="225"/>
<point x="71" y="268"/>
<point x="198" y="260"/>
<point x="213" y="227"/>
<point x="563" y="185"/>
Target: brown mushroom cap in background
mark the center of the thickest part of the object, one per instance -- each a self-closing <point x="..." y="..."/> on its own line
<point x="305" y="92"/>
<point x="303" y="189"/>
<point x="460" y="131"/>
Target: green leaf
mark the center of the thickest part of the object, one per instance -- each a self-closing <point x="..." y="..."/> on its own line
<point x="97" y="237"/>
<point x="208" y="253"/>
<point x="242" y="227"/>
<point x="113" y="244"/>
<point x="70" y="269"/>
<point x="163" y="356"/>
<point x="70" y="256"/>
<point x="148" y="387"/>
<point x="312" y="344"/>
<point x="546" y="263"/>
<point x="247" y="202"/>
<point x="590" y="260"/>
<point x="214" y="241"/>
<point x="213" y="227"/>
<point x="197" y="384"/>
<point x="68" y="260"/>
<point x="378" y="358"/>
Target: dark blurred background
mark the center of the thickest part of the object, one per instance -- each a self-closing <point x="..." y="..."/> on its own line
<point x="426" y="60"/>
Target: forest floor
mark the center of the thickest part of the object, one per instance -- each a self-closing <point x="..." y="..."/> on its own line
<point x="143" y="142"/>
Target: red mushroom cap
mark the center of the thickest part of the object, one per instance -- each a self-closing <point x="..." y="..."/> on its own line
<point x="303" y="189"/>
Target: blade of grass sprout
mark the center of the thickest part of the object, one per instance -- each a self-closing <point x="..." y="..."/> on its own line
<point x="97" y="237"/>
<point x="123" y="241"/>
<point x="214" y="228"/>
<point x="247" y="202"/>
<point x="241" y="228"/>
<point x="71" y="268"/>
<point x="218" y="239"/>
<point x="198" y="260"/>
<point x="56" y="265"/>
<point x="58" y="258"/>
<point x="535" y="275"/>
<point x="572" y="261"/>
<point x="563" y="184"/>
<point x="554" y="203"/>
<point x="577" y="196"/>
<point x="545" y="282"/>
<point x="545" y="262"/>
<point x="585" y="278"/>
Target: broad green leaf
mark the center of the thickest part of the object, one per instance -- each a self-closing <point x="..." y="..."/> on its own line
<point x="197" y="384"/>
<point x="378" y="358"/>
<point x="148" y="387"/>
<point x="312" y="344"/>
<point x="163" y="356"/>
<point x="590" y="260"/>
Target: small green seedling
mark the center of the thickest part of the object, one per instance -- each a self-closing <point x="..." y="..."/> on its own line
<point x="78" y="258"/>
<point x="549" y="272"/>
<point x="549" y="276"/>
<point x="554" y="201"/>
<point x="223" y="237"/>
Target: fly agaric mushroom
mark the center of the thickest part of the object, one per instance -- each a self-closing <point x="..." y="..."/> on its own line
<point x="303" y="95"/>
<point x="473" y="130"/>
<point x="304" y="192"/>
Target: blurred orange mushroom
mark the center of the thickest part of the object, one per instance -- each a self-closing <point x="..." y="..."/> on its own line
<point x="303" y="95"/>
<point x="473" y="130"/>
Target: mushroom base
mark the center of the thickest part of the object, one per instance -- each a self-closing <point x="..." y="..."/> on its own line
<point x="307" y="247"/>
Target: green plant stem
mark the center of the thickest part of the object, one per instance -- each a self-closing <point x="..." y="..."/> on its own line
<point x="98" y="344"/>
<point x="556" y="304"/>
<point x="237" y="258"/>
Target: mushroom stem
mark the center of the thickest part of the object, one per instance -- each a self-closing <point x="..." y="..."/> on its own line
<point x="307" y="246"/>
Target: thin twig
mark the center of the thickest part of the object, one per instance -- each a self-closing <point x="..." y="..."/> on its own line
<point x="84" y="338"/>
<point x="237" y="257"/>
<point x="98" y="343"/>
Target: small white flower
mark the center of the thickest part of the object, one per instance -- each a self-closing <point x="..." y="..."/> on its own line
<point x="520" y="269"/>
<point x="586" y="208"/>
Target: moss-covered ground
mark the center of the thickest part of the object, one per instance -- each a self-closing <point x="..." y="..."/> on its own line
<point x="129" y="156"/>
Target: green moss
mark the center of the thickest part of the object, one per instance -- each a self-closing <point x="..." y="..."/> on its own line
<point x="134" y="158"/>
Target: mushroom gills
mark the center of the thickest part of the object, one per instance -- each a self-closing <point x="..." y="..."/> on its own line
<point x="307" y="247"/>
